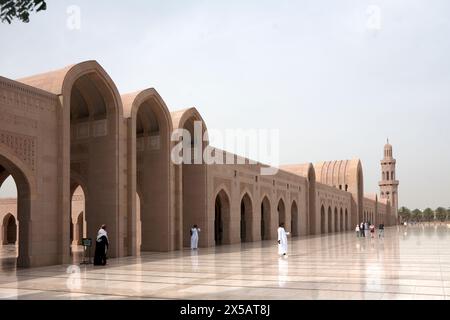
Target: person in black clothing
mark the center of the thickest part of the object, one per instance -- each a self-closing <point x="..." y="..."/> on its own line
<point x="101" y="247"/>
<point x="361" y="230"/>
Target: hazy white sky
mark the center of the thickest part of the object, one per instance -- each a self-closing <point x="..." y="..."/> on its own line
<point x="335" y="82"/>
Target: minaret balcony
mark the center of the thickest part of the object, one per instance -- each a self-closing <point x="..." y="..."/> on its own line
<point x="388" y="183"/>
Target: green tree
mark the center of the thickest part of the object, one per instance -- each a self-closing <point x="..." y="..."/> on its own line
<point x="428" y="214"/>
<point x="20" y="9"/>
<point x="416" y="214"/>
<point x="441" y="214"/>
<point x="404" y="213"/>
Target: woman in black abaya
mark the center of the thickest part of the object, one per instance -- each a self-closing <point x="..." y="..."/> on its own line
<point x="101" y="247"/>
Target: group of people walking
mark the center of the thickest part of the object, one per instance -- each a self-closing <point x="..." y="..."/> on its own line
<point x="365" y="228"/>
<point x="101" y="248"/>
<point x="282" y="239"/>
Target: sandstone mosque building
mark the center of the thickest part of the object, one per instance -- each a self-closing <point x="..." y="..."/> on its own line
<point x="82" y="155"/>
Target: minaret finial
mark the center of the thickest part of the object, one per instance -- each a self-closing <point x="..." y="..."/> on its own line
<point x="388" y="140"/>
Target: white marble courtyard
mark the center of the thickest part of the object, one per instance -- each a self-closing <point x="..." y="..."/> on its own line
<point x="412" y="263"/>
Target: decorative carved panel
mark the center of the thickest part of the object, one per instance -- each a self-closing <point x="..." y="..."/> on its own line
<point x="77" y="197"/>
<point x="24" y="147"/>
<point x="100" y="128"/>
<point x="84" y="130"/>
<point x="154" y="142"/>
<point x="150" y="143"/>
<point x="25" y="98"/>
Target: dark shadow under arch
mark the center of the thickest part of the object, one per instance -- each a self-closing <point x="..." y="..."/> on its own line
<point x="265" y="219"/>
<point x="222" y="218"/>
<point x="9" y="229"/>
<point x="246" y="218"/>
<point x="281" y="208"/>
<point x="322" y="220"/>
<point x="22" y="177"/>
<point x="294" y="219"/>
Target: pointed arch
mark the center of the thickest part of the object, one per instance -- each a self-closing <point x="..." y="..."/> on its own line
<point x="91" y="132"/>
<point x="336" y="220"/>
<point x="266" y="219"/>
<point x="323" y="229"/>
<point x="9" y="225"/>
<point x="222" y="218"/>
<point x="246" y="204"/>
<point x="281" y="209"/>
<point x="330" y="220"/>
<point x="190" y="205"/>
<point x="294" y="219"/>
<point x="150" y="128"/>
<point x="26" y="193"/>
<point x="347" y="222"/>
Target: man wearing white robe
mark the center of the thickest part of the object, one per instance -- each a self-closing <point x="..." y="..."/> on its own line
<point x="282" y="241"/>
<point x="194" y="237"/>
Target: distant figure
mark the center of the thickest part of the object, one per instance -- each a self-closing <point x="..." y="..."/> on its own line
<point x="101" y="247"/>
<point x="381" y="230"/>
<point x="361" y="229"/>
<point x="366" y="229"/>
<point x="357" y="230"/>
<point x="372" y="231"/>
<point x="194" y="237"/>
<point x="282" y="241"/>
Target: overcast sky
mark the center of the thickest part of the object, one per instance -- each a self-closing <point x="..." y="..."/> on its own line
<point x="335" y="77"/>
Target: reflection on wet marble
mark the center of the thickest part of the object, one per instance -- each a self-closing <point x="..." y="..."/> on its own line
<point x="409" y="263"/>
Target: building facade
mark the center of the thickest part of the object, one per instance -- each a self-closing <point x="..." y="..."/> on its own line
<point x="83" y="155"/>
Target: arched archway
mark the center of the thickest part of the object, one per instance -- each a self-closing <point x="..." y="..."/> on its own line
<point x="150" y="129"/>
<point x="341" y="220"/>
<point x="330" y="220"/>
<point x="191" y="171"/>
<point x="246" y="218"/>
<point x="9" y="229"/>
<point x="8" y="197"/>
<point x="265" y="219"/>
<point x="336" y="220"/>
<point x="281" y="212"/>
<point x="322" y="220"/>
<point x="23" y="179"/>
<point x="77" y="215"/>
<point x="347" y="222"/>
<point x="294" y="219"/>
<point x="222" y="218"/>
<point x="93" y="107"/>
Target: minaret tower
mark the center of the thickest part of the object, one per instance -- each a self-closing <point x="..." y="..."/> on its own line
<point x="389" y="184"/>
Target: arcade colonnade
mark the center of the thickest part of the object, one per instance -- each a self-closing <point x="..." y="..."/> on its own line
<point x="69" y="130"/>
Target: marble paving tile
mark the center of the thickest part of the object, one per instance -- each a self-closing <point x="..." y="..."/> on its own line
<point x="335" y="266"/>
